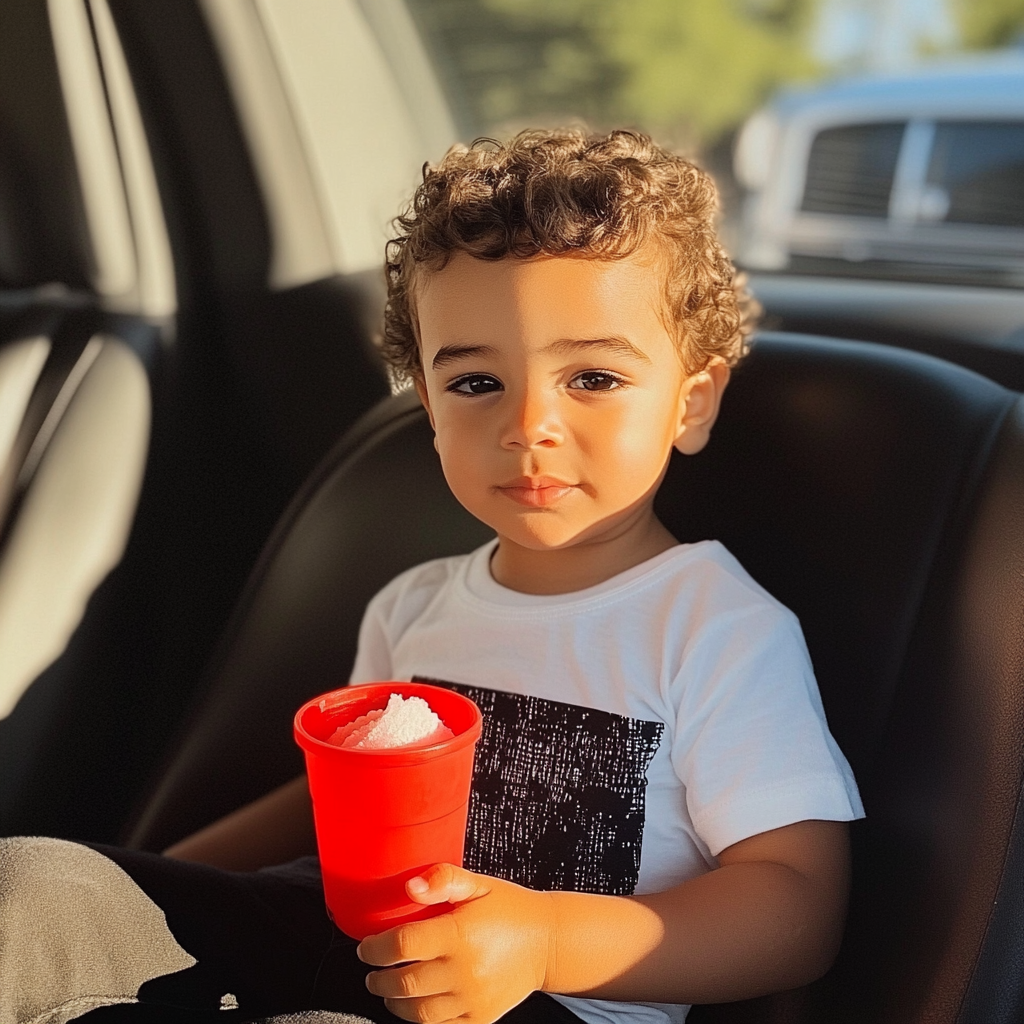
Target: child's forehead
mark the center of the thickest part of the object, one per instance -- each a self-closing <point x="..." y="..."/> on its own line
<point x="579" y="284"/>
<point x="551" y="306"/>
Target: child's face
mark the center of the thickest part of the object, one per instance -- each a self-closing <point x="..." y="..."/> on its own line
<point x="556" y="393"/>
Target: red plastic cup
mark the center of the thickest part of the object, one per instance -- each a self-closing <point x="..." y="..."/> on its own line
<point x="383" y="816"/>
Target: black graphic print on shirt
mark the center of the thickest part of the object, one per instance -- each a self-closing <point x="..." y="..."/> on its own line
<point x="558" y="793"/>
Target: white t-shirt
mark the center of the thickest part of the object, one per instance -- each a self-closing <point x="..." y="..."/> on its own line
<point x="633" y="730"/>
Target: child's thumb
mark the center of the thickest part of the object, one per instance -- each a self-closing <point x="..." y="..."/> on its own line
<point x="445" y="883"/>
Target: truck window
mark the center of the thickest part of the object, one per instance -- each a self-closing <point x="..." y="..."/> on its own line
<point x="850" y="169"/>
<point x="980" y="166"/>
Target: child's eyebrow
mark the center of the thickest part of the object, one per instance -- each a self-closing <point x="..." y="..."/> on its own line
<point x="614" y="343"/>
<point x="449" y="353"/>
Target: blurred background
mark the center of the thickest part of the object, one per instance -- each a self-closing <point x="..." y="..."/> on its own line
<point x="688" y="71"/>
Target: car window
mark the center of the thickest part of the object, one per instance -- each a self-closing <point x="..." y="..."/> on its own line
<point x="980" y="168"/>
<point x="327" y="50"/>
<point x="851" y="169"/>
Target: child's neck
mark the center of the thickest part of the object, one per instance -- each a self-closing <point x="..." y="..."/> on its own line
<point x="565" y="570"/>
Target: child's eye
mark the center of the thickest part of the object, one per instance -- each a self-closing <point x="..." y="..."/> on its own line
<point x="475" y="384"/>
<point x="596" y="380"/>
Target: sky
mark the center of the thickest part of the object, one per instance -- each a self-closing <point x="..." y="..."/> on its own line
<point x="881" y="34"/>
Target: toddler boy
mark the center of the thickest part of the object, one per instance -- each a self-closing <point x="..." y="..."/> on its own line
<point x="567" y="315"/>
<point x="658" y="815"/>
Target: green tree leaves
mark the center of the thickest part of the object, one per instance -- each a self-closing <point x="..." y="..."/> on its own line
<point x="688" y="70"/>
<point x="700" y="66"/>
<point x="988" y="23"/>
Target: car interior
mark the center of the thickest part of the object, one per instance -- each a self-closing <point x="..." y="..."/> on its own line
<point x="248" y="382"/>
<point x="204" y="476"/>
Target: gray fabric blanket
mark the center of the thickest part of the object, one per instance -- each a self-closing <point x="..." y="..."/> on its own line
<point x="77" y="933"/>
<point x="316" y="1017"/>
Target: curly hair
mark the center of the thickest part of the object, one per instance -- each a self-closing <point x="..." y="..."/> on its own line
<point x="570" y="193"/>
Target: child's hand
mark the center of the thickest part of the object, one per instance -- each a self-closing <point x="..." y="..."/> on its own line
<point x="474" y="963"/>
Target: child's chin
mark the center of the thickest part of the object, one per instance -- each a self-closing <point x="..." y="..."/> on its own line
<point x="544" y="536"/>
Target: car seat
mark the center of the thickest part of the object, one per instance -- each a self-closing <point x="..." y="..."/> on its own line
<point x="878" y="493"/>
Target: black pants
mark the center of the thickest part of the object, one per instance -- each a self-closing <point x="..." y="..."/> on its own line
<point x="264" y="937"/>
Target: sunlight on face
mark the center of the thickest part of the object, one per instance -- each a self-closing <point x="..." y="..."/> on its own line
<point x="555" y="391"/>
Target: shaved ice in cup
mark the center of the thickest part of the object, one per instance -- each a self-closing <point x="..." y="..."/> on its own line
<point x="389" y="766"/>
<point x="404" y="721"/>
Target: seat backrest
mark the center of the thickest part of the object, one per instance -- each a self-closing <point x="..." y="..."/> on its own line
<point x="878" y="493"/>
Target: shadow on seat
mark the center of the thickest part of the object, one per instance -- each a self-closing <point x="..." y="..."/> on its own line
<point x="879" y="494"/>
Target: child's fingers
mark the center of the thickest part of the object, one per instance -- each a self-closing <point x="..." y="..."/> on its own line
<point x="421" y="940"/>
<point x="412" y="981"/>
<point x="445" y="883"/>
<point x="444" y="1009"/>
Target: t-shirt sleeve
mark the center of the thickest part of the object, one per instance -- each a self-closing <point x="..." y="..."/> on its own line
<point x="752" y="745"/>
<point x="373" y="653"/>
<point x="390" y="613"/>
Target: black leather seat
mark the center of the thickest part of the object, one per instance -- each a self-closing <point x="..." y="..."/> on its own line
<point x="878" y="493"/>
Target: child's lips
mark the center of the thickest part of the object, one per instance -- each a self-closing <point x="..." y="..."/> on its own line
<point x="536" y="492"/>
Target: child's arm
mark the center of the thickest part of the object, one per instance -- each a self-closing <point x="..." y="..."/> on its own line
<point x="769" y="918"/>
<point x="276" y="828"/>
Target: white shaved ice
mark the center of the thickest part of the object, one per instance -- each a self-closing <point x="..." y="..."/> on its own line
<point x="404" y="721"/>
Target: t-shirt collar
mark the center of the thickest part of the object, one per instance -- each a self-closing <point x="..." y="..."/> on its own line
<point x="480" y="585"/>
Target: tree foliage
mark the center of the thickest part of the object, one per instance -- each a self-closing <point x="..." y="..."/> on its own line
<point x="686" y="69"/>
<point x="989" y="23"/>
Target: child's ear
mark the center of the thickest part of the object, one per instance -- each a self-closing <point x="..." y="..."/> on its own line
<point x="703" y="401"/>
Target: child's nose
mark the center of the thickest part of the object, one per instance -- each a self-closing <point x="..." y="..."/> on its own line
<point x="533" y="421"/>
